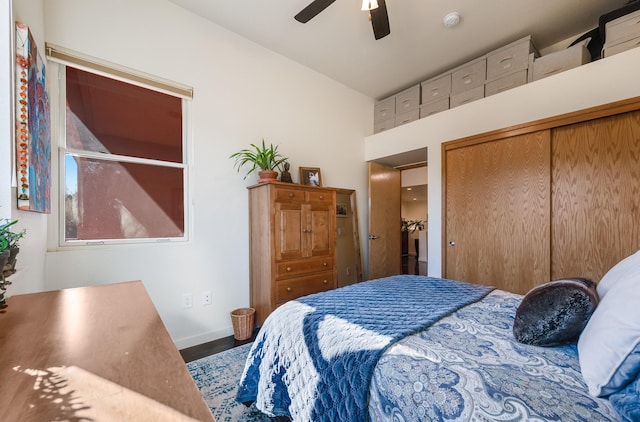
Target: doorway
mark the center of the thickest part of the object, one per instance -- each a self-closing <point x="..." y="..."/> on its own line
<point x="414" y="220"/>
<point x="385" y="213"/>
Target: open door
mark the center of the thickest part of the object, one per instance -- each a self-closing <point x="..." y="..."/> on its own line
<point x="385" y="236"/>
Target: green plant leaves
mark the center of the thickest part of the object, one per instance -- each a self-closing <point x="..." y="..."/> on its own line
<point x="259" y="157"/>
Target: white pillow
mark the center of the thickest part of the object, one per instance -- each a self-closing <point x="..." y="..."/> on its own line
<point x="623" y="269"/>
<point x="609" y="346"/>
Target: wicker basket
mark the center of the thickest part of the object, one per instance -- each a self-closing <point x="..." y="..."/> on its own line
<point x="242" y="320"/>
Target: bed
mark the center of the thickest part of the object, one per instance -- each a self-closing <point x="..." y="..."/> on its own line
<point x="413" y="348"/>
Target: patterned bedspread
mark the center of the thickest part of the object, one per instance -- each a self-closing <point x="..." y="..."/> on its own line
<point x="468" y="367"/>
<point x="314" y="357"/>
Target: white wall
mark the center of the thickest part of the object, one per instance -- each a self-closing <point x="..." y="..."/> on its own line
<point x="243" y="92"/>
<point x="414" y="177"/>
<point x="600" y="82"/>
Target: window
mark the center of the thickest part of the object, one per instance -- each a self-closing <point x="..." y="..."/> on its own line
<point x="122" y="160"/>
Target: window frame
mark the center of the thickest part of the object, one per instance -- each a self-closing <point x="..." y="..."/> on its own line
<point x="119" y="73"/>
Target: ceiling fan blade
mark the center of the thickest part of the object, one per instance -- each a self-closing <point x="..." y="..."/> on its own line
<point x="312" y="10"/>
<point x="380" y="20"/>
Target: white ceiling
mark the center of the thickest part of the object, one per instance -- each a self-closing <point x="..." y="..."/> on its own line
<point x="414" y="193"/>
<point x="339" y="42"/>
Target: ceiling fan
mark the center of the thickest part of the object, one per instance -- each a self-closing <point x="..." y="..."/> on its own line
<point x="377" y="14"/>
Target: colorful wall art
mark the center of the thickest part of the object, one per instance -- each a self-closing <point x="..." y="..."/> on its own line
<point x="33" y="133"/>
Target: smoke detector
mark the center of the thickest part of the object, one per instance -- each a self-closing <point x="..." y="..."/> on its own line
<point x="451" y="19"/>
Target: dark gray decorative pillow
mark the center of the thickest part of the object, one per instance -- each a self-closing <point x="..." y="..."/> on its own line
<point x="555" y="313"/>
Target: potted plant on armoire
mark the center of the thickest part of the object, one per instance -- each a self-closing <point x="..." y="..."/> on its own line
<point x="266" y="159"/>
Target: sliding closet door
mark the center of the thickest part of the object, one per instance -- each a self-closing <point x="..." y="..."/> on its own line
<point x="497" y="212"/>
<point x="596" y="195"/>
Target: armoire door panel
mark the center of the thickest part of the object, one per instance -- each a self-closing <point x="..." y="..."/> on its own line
<point x="497" y="210"/>
<point x="289" y="238"/>
<point x="595" y="195"/>
<point x="320" y="235"/>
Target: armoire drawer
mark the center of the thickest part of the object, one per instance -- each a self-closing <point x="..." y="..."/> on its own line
<point x="287" y="269"/>
<point x="319" y="197"/>
<point x="289" y="195"/>
<point x="297" y="287"/>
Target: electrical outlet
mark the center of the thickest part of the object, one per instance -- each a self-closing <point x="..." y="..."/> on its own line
<point x="206" y="297"/>
<point x="187" y="300"/>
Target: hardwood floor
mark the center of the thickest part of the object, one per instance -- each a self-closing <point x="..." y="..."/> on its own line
<point x="411" y="265"/>
<point x="216" y="346"/>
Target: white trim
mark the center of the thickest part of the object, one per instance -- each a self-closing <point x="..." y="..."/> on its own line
<point x="115" y="71"/>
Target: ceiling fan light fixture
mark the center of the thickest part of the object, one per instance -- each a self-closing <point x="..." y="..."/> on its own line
<point x="369" y="5"/>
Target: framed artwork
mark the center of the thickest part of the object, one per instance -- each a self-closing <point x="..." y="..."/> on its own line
<point x="341" y="210"/>
<point x="33" y="133"/>
<point x="310" y="176"/>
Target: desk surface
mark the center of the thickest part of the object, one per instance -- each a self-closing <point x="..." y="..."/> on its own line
<point x="112" y="332"/>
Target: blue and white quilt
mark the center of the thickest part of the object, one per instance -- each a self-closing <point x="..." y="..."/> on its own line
<point x="454" y="358"/>
<point x="314" y="357"/>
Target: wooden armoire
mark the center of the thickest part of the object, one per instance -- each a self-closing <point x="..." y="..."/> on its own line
<point x="292" y="243"/>
<point x="555" y="198"/>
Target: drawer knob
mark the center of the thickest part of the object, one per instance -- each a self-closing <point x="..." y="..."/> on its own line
<point x="321" y="196"/>
<point x="288" y="268"/>
<point x="290" y="195"/>
<point x="324" y="264"/>
<point x="288" y="289"/>
<point x="325" y="282"/>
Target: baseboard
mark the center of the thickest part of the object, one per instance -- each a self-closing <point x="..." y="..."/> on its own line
<point x="185" y="342"/>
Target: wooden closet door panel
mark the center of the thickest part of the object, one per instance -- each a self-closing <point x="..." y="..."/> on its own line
<point x="596" y="195"/>
<point x="497" y="211"/>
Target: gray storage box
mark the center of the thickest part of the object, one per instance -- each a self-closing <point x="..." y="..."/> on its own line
<point x="506" y="82"/>
<point x="554" y="63"/>
<point x="469" y="76"/>
<point x="434" y="107"/>
<point x="436" y="89"/>
<point x="407" y="116"/>
<point x="407" y="100"/>
<point x="511" y="58"/>
<point x="467" y="96"/>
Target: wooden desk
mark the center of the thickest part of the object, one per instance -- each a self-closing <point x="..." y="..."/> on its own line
<point x="114" y="334"/>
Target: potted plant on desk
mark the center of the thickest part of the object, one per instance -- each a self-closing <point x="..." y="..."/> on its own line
<point x="265" y="159"/>
<point x="9" y="248"/>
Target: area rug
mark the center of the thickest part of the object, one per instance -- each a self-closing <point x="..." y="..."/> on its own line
<point x="217" y="378"/>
